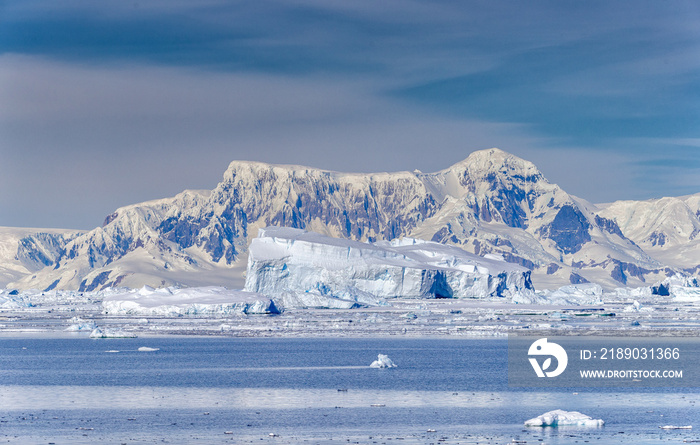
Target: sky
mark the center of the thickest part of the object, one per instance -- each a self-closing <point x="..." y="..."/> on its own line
<point x="112" y="102"/>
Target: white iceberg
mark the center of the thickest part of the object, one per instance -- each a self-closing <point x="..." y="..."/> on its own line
<point x="148" y="349"/>
<point x="574" y="295"/>
<point x="172" y="301"/>
<point x="682" y="288"/>
<point x="564" y="418"/>
<point x="636" y="306"/>
<point x="110" y="333"/>
<point x="683" y="294"/>
<point x="284" y="260"/>
<point x="78" y="324"/>
<point x="314" y="300"/>
<point x="383" y="361"/>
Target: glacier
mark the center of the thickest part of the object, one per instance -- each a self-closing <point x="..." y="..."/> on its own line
<point x="293" y="261"/>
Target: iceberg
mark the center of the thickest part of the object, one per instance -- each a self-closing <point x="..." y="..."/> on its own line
<point x="110" y="333"/>
<point x="173" y="301"/>
<point x="383" y="361"/>
<point x="78" y="324"/>
<point x="682" y="288"/>
<point x="315" y="300"/>
<point x="683" y="294"/>
<point x="574" y="294"/>
<point x="292" y="261"/>
<point x="564" y="418"/>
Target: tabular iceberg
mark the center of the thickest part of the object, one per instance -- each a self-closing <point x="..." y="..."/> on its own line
<point x="189" y="301"/>
<point x="560" y="417"/>
<point x="284" y="260"/>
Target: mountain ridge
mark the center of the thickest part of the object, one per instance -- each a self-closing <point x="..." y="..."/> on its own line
<point x="491" y="202"/>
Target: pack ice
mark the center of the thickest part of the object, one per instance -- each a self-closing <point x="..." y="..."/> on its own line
<point x="560" y="417"/>
<point x="284" y="261"/>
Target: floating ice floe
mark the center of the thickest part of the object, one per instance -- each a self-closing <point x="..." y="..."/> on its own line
<point x="564" y="418"/>
<point x="172" y="301"/>
<point x="147" y="349"/>
<point x="675" y="427"/>
<point x="383" y="361"/>
<point x="636" y="306"/>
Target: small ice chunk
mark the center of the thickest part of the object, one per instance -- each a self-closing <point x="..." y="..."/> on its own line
<point x="675" y="427"/>
<point x="78" y="324"/>
<point x="383" y="361"/>
<point x="147" y="349"/>
<point x="560" y="417"/>
<point x="110" y="333"/>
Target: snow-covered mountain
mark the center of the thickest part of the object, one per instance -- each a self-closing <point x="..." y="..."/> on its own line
<point x="492" y="202"/>
<point x="24" y="251"/>
<point x="668" y="229"/>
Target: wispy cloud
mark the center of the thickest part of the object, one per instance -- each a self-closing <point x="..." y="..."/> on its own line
<point x="177" y="89"/>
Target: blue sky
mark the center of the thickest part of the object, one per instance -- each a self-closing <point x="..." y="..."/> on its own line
<point x="108" y="103"/>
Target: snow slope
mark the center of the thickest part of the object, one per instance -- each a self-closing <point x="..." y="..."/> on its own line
<point x="39" y="247"/>
<point x="668" y="229"/>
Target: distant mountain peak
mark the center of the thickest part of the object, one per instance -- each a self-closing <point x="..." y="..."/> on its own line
<point x="497" y="160"/>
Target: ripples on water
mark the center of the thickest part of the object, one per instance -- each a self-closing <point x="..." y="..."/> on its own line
<point x="217" y="390"/>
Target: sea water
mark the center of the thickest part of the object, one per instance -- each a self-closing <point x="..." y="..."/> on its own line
<point x="280" y="391"/>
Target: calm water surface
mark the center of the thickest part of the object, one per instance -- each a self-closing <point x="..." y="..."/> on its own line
<point x="224" y="390"/>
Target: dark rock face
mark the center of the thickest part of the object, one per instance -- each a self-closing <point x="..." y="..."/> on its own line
<point x="515" y="259"/>
<point x="608" y="225"/>
<point x="41" y="250"/>
<point x="618" y="274"/>
<point x="96" y="282"/>
<point x="569" y="229"/>
<point x="657" y="239"/>
<point x="109" y="218"/>
<point x="505" y="206"/>
<point x="52" y="286"/>
<point x="552" y="268"/>
<point x="575" y="278"/>
<point x="635" y="270"/>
